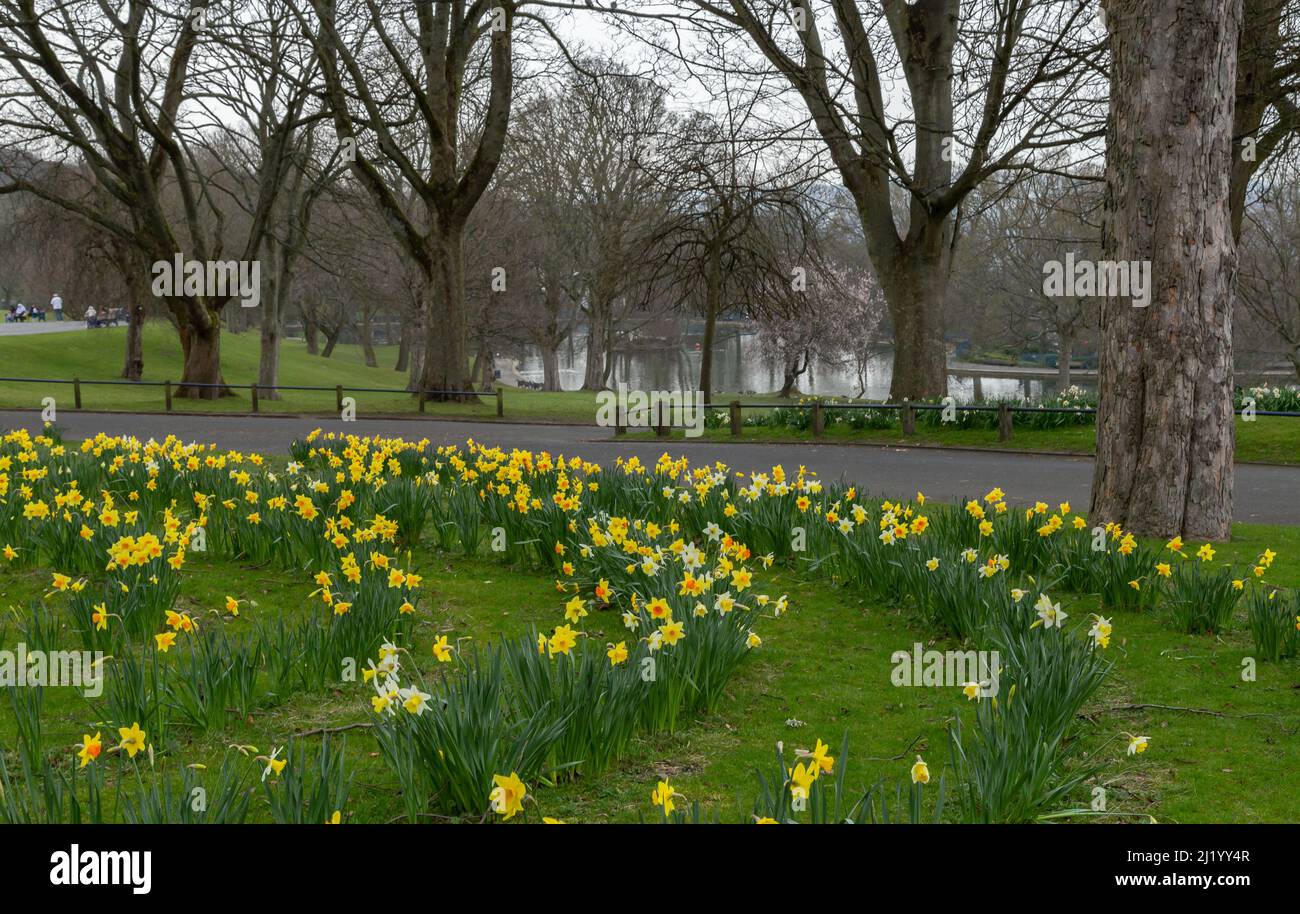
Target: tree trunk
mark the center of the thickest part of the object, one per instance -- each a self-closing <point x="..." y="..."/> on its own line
<point x="135" y="271"/>
<point x="550" y="368"/>
<point x="792" y="373"/>
<point x="446" y="355"/>
<point x="712" y="304"/>
<point x="268" y="360"/>
<point x="133" y="367"/>
<point x="368" y="340"/>
<point x="1260" y="42"/>
<point x="404" y="348"/>
<point x="416" y="355"/>
<point x="309" y="334"/>
<point x="487" y="369"/>
<point x="915" y="284"/>
<point x="268" y="363"/>
<point x="594" y="376"/>
<point x="331" y="340"/>
<point x="1165" y="428"/>
<point x="1063" y="361"/>
<point x="202" y="348"/>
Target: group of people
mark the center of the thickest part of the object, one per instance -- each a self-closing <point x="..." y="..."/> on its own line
<point x="21" y="312"/>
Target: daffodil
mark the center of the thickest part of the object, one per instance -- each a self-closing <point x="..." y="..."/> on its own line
<point x="442" y="649"/>
<point x="1049" y="613"/>
<point x="90" y="748"/>
<point x="663" y="796"/>
<point x="507" y="797"/>
<point x="132" y="739"/>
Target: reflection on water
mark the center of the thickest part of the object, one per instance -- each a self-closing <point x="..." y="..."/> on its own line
<point x="739" y="367"/>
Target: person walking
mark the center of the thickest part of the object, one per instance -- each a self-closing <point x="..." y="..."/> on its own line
<point x="56" y="305"/>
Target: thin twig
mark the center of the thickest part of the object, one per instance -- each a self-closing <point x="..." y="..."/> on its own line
<point x="1142" y="707"/>
<point x="894" y="758"/>
<point x="320" y="731"/>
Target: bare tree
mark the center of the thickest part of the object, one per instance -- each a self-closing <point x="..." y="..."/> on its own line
<point x="735" y="234"/>
<point x="1268" y="283"/>
<point x="442" y="75"/>
<point x="996" y="82"/>
<point x="1266" y="118"/>
<point x="1040" y="221"/>
<point x="100" y="93"/>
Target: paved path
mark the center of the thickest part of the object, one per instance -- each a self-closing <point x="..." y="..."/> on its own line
<point x="49" y="325"/>
<point x="1265" y="494"/>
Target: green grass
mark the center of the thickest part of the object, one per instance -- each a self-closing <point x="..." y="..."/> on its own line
<point x="96" y="355"/>
<point x="1234" y="756"/>
<point x="1268" y="439"/>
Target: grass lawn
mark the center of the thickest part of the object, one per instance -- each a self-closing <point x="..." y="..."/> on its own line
<point x="96" y="355"/>
<point x="823" y="670"/>
<point x="1268" y="439"/>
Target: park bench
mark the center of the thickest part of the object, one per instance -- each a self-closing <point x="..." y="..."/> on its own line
<point x="110" y="318"/>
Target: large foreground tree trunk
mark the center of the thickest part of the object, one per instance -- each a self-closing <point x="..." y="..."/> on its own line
<point x="1165" y="433"/>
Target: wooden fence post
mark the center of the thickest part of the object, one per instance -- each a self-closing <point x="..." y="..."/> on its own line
<point x="420" y="398"/>
<point x="338" y="398"/>
<point x="501" y="402"/>
<point x="735" y="417"/>
<point x="818" y="420"/>
<point x="907" y="415"/>
<point x="1004" y="422"/>
<point x="167" y="394"/>
<point x="76" y="391"/>
<point x="253" y="387"/>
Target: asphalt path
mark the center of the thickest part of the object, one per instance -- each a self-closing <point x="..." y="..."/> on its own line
<point x="1264" y="494"/>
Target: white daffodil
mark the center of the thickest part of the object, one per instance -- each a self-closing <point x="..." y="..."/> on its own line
<point x="1049" y="613"/>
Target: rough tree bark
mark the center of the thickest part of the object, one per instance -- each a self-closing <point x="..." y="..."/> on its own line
<point x="1165" y="433"/>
